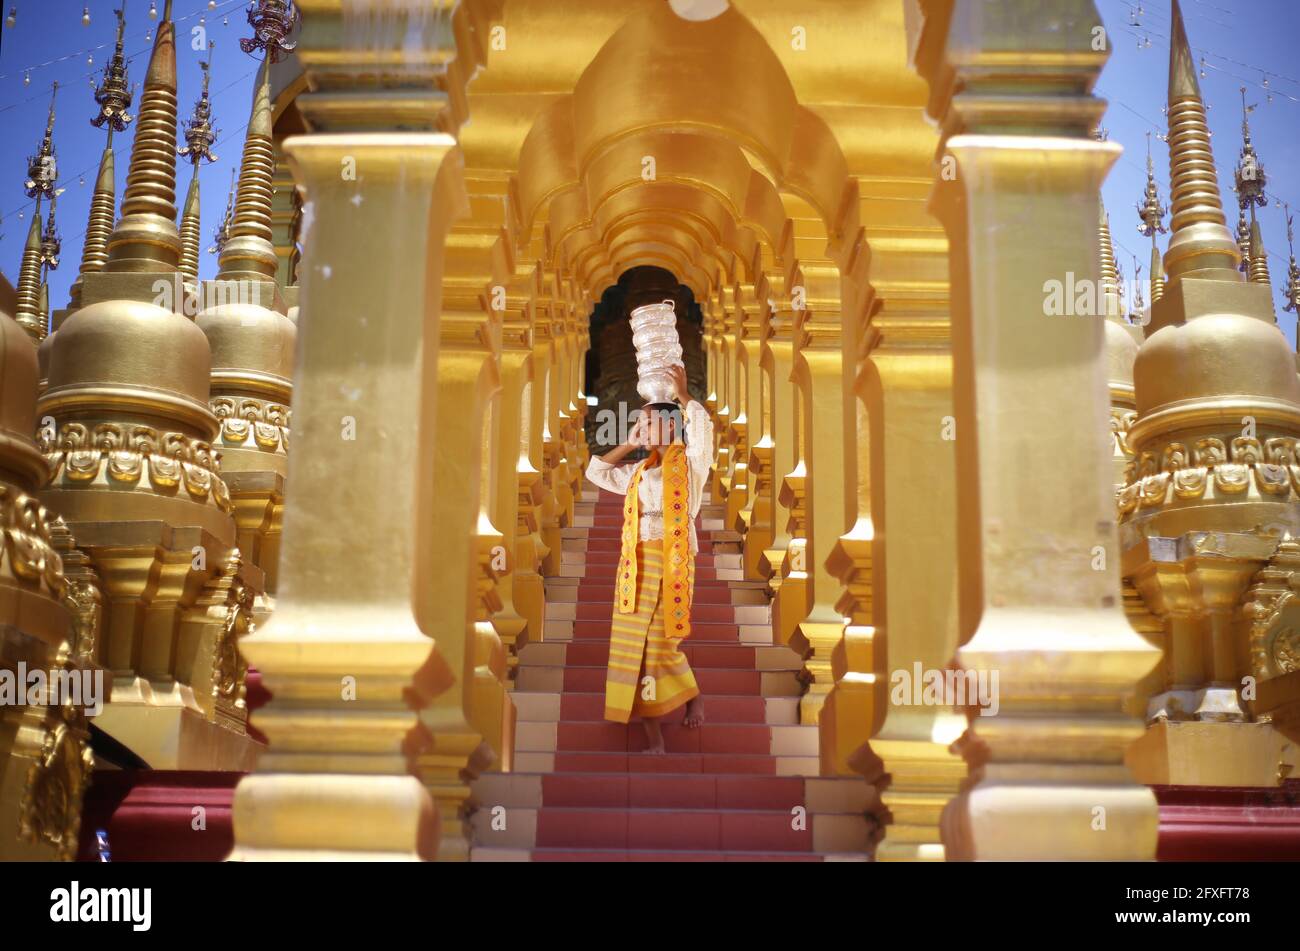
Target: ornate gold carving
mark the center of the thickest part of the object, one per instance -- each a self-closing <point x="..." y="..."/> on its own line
<point x="248" y="423"/>
<point x="1154" y="479"/>
<point x="1273" y="609"/>
<point x="28" y="550"/>
<point x="50" y="810"/>
<point x="114" y="453"/>
<point x="83" y="596"/>
<point x="1120" y="421"/>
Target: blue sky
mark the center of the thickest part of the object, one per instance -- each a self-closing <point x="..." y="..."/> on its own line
<point x="46" y="30"/>
<point x="1243" y="42"/>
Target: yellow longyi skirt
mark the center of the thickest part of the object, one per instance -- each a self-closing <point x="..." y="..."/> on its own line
<point x="648" y="674"/>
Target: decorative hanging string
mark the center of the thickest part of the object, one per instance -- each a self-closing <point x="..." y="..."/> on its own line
<point x="66" y="178"/>
<point x="202" y="12"/>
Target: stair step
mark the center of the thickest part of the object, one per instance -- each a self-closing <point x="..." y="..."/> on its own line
<point x="711" y="681"/>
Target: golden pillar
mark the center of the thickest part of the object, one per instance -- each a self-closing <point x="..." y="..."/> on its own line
<point x="356" y="657"/>
<point x="472" y="716"/>
<point x="757" y="515"/>
<point x="787" y="556"/>
<point x="818" y="370"/>
<point x="1047" y="772"/>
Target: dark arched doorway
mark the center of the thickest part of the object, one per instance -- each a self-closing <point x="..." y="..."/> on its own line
<point x="611" y="360"/>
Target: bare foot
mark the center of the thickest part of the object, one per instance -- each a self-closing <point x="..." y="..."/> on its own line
<point x="694" y="713"/>
<point x="654" y="735"/>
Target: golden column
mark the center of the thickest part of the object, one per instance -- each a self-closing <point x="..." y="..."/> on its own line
<point x="1209" y="509"/>
<point x="472" y="716"/>
<point x="355" y="656"/>
<point x="899" y="572"/>
<point x="522" y="594"/>
<point x="521" y="429"/>
<point x="786" y="554"/>
<point x="757" y="515"/>
<point x="547" y="495"/>
<point x="819" y="371"/>
<point x="724" y="374"/>
<point x="1047" y="773"/>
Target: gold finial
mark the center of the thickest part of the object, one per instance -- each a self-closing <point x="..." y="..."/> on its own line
<point x="248" y="249"/>
<point x="1292" y="291"/>
<point x="43" y="168"/>
<point x="1201" y="239"/>
<point x="199" y="134"/>
<point x="222" y="232"/>
<point x="51" y="243"/>
<point x="1139" y="304"/>
<point x="146" y="238"/>
<point x="272" y="22"/>
<point x="1152" y="215"/>
<point x="1243" y="240"/>
<point x="1249" y="181"/>
<point x="113" y="95"/>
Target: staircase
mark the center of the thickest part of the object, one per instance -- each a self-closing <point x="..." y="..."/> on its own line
<point x="743" y="787"/>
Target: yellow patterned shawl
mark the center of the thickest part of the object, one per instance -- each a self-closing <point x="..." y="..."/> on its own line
<point x="678" y="563"/>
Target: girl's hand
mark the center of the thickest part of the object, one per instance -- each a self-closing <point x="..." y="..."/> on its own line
<point x="640" y="436"/>
<point x="679" y="385"/>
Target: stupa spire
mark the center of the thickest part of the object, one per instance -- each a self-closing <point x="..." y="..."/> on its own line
<point x="113" y="97"/>
<point x="28" y="313"/>
<point x="1258" y="258"/>
<point x="248" y="249"/>
<point x="1201" y="239"/>
<point x="146" y="238"/>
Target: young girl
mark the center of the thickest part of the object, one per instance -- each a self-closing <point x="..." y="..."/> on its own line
<point x="648" y="674"/>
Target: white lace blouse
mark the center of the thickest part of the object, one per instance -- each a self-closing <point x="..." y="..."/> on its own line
<point x="699" y="459"/>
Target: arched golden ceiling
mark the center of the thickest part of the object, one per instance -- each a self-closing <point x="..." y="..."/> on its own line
<point x="710" y="102"/>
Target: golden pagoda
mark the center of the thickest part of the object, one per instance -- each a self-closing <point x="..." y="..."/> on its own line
<point x="135" y="475"/>
<point x="918" y="634"/>
<point x="1208" y="507"/>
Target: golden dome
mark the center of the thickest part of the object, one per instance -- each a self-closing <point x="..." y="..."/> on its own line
<point x="131" y="356"/>
<point x="1227" y="364"/>
<point x="18" y="376"/>
<point x="252" y="349"/>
